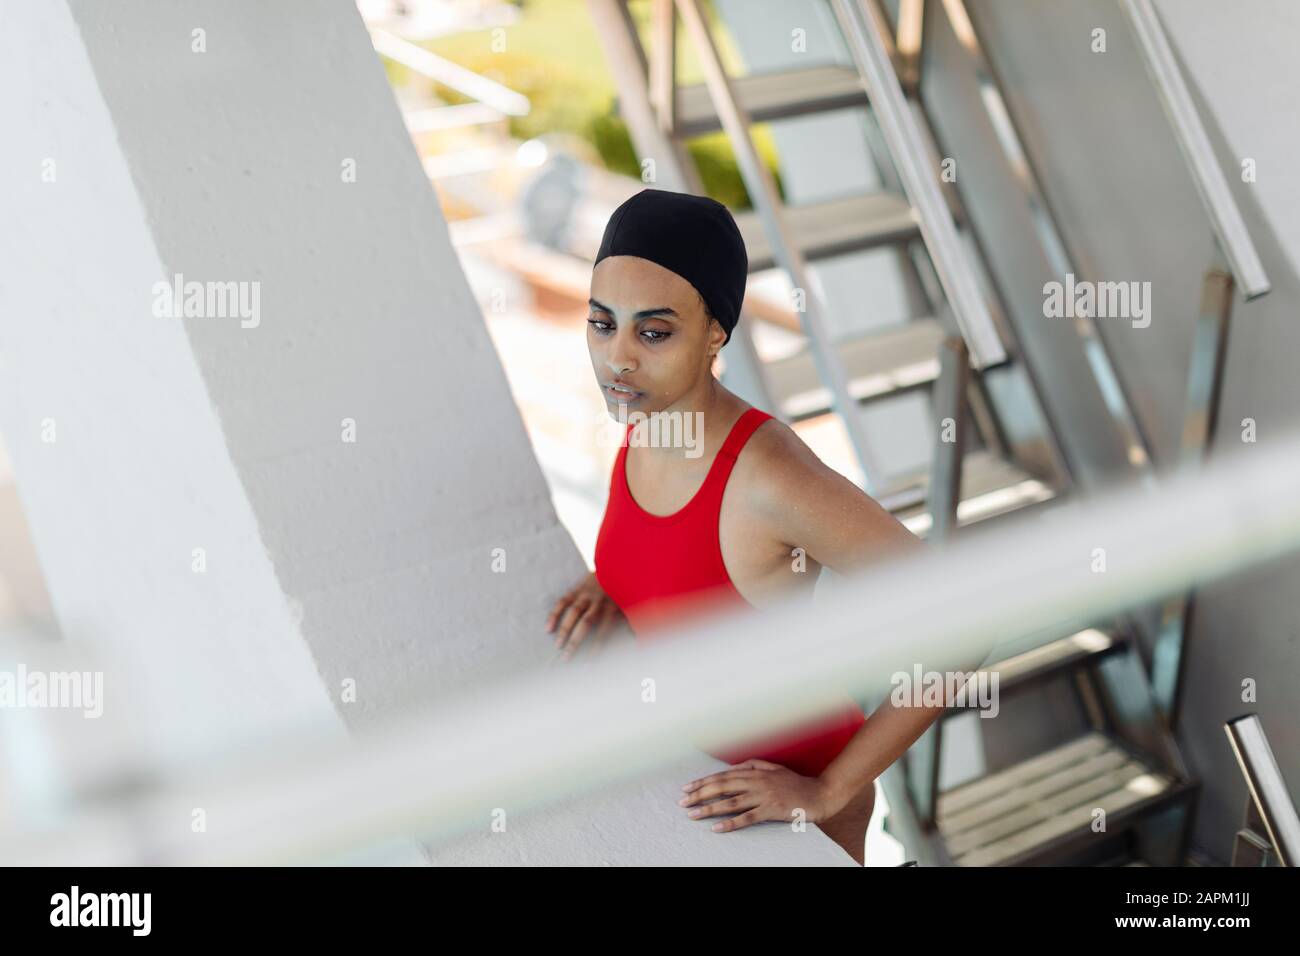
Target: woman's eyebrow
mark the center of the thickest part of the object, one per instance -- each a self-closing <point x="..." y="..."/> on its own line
<point x="643" y="314"/>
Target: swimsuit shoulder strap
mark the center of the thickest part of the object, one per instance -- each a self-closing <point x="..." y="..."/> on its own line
<point x="730" y="450"/>
<point x="745" y="426"/>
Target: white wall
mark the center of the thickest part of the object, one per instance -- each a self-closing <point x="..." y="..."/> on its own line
<point x="1240" y="59"/>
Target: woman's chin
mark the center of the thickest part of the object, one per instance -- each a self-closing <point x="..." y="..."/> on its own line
<point x="624" y="412"/>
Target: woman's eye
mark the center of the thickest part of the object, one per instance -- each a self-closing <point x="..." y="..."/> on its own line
<point x="604" y="327"/>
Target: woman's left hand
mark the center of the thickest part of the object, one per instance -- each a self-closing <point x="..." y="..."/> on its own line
<point x="758" y="790"/>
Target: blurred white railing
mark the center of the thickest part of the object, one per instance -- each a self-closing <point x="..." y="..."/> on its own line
<point x="544" y="736"/>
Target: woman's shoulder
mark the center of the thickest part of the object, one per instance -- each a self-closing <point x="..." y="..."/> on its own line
<point x="775" y="462"/>
<point x="774" y="439"/>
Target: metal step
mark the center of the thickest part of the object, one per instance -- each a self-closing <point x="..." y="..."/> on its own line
<point x="880" y="363"/>
<point x="990" y="486"/>
<point x="1032" y="809"/>
<point x="1088" y="645"/>
<point x="771" y="96"/>
<point x="1039" y="663"/>
<point x="832" y="227"/>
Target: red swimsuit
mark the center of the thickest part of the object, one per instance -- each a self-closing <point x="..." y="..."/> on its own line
<point x="662" y="569"/>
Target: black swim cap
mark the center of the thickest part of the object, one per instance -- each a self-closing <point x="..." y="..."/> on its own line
<point x="693" y="236"/>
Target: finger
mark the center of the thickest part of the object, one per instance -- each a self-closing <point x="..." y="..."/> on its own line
<point x="746" y="819"/>
<point x="554" y="616"/>
<point x="567" y="600"/>
<point x="701" y="781"/>
<point x="756" y="763"/>
<point x="719" y="775"/>
<point x="603" y="630"/>
<point x="571" y="617"/>
<point x="580" y="631"/>
<point x="709" y="797"/>
<point x="737" y="803"/>
<point x="695" y="784"/>
<point x="710" y="791"/>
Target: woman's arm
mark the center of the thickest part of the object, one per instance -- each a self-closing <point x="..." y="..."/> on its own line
<point x="807" y="504"/>
<point x="811" y="506"/>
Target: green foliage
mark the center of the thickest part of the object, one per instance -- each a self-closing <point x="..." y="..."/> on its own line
<point x="553" y="57"/>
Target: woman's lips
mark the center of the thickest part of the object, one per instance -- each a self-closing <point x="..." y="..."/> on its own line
<point x="622" y="396"/>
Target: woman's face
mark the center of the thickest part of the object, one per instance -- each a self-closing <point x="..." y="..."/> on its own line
<point x="647" y="328"/>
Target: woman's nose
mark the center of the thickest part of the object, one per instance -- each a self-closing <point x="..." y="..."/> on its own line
<point x="620" y="360"/>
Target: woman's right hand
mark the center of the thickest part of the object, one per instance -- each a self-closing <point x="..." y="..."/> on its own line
<point x="585" y="607"/>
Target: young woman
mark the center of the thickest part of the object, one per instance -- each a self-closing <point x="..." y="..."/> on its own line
<point x="749" y="521"/>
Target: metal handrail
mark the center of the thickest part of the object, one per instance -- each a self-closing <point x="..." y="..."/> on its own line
<point x="627" y="63"/>
<point x="441" y="70"/>
<point x="1008" y="137"/>
<point x="1267" y="788"/>
<point x="1225" y="216"/>
<point x="737" y="124"/>
<point x="908" y="150"/>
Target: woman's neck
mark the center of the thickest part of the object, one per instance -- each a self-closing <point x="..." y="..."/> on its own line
<point x="706" y="420"/>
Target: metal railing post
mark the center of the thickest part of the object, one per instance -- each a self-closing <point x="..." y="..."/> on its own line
<point x="1267" y="788"/>
<point x="1225" y="217"/>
